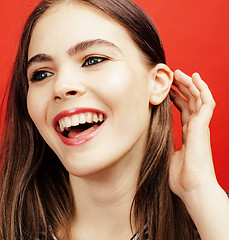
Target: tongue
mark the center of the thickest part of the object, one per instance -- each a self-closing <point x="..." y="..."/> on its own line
<point x="75" y="132"/>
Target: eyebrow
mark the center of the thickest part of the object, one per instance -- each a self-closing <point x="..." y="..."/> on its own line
<point x="79" y="47"/>
<point x="39" y="58"/>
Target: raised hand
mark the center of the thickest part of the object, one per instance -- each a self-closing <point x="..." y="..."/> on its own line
<point x="192" y="167"/>
<point x="192" y="175"/>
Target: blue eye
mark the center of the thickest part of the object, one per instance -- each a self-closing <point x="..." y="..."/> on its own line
<point x="93" y="61"/>
<point x="40" y="75"/>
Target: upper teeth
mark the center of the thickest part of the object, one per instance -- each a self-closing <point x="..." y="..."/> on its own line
<point x="82" y="118"/>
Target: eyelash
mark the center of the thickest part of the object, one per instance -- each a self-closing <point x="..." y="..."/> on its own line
<point x="95" y="60"/>
<point x="39" y="75"/>
<point x="89" y="62"/>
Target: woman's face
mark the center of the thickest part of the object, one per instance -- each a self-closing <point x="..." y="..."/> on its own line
<point x="88" y="90"/>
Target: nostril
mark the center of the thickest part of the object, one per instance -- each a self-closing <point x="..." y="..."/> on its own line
<point x="57" y="98"/>
<point x="71" y="93"/>
<point x="60" y="95"/>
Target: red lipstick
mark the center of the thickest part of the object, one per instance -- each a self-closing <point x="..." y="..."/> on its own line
<point x="79" y="138"/>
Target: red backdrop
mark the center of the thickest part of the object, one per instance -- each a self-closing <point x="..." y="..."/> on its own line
<point x="195" y="36"/>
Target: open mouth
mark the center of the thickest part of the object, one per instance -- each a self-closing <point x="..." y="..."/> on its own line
<point x="79" y="124"/>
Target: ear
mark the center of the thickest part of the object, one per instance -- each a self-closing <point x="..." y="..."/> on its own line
<point x="160" y="81"/>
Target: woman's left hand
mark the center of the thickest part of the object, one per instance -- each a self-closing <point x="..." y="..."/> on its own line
<point x="191" y="167"/>
<point x="192" y="176"/>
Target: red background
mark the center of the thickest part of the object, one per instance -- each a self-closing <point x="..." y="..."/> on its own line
<point x="195" y="36"/>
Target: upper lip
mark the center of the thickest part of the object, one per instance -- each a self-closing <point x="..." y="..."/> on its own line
<point x="73" y="111"/>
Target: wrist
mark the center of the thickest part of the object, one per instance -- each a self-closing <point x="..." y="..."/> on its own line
<point x="202" y="193"/>
<point x="208" y="206"/>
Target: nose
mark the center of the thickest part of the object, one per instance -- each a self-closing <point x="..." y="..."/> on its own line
<point x="67" y="88"/>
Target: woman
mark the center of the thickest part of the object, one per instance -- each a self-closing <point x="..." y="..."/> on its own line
<point x="88" y="150"/>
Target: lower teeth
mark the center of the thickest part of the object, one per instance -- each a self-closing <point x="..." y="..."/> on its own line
<point x="78" y="130"/>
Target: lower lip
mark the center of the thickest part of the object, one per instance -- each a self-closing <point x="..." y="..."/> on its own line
<point x="80" y="139"/>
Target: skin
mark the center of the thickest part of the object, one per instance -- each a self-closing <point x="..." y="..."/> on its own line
<point x="103" y="170"/>
<point x="192" y="175"/>
<point x="104" y="86"/>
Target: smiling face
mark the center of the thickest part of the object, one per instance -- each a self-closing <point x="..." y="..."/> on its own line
<point x="88" y="90"/>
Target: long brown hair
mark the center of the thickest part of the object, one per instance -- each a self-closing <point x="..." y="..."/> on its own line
<point x="35" y="192"/>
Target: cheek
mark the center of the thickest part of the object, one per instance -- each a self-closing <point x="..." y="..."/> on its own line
<point x="35" y="105"/>
<point x="31" y="104"/>
<point x="120" y="86"/>
<point x="125" y="92"/>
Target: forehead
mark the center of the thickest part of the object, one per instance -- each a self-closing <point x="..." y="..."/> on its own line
<point x="64" y="25"/>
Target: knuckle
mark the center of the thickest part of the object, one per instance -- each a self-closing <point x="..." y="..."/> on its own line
<point x="213" y="103"/>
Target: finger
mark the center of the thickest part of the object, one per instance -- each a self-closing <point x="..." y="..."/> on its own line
<point x="182" y="89"/>
<point x="208" y="103"/>
<point x="185" y="85"/>
<point x="178" y="99"/>
<point x="189" y="91"/>
<point x="181" y="104"/>
<point x="205" y="92"/>
<point x="194" y="102"/>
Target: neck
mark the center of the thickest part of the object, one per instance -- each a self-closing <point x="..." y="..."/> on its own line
<point x="103" y="204"/>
